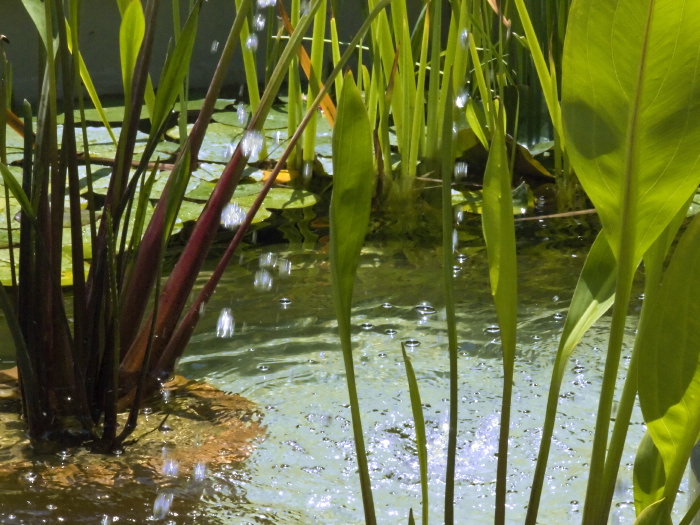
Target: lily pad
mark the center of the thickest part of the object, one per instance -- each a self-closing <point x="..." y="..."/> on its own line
<point x="472" y="201"/>
<point x="282" y="198"/>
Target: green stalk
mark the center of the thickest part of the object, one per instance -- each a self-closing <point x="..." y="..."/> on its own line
<point x="447" y="167"/>
<point x="294" y="101"/>
<point x="317" y="47"/>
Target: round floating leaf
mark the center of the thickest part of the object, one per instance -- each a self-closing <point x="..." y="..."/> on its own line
<point x="282" y="198"/>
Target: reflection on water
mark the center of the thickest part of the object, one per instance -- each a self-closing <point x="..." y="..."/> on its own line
<point x="283" y="353"/>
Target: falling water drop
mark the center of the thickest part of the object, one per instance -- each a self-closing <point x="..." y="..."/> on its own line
<point x="225" y="325"/>
<point x="259" y="22"/>
<point x="251" y="144"/>
<point x="464" y="38"/>
<point x="263" y="280"/>
<point x="241" y="113"/>
<point x="460" y="171"/>
<point x="252" y="42"/>
<point x="162" y="504"/>
<point x="200" y="471"/>
<point x="267" y="260"/>
<point x="214" y="46"/>
<point x="170" y="468"/>
<point x="232" y="216"/>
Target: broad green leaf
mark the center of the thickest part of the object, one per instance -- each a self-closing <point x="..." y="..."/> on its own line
<point x="280" y="199"/>
<point x="631" y="109"/>
<point x="669" y="372"/>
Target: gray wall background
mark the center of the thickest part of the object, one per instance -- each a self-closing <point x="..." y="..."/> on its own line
<point x="99" y="36"/>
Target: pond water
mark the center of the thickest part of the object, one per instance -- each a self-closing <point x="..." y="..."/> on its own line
<point x="269" y="334"/>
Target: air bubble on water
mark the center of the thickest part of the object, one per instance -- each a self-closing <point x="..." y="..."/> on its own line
<point x="241" y="113"/>
<point x="267" y="260"/>
<point x="390" y="332"/>
<point x="559" y="316"/>
<point x="251" y="144"/>
<point x="232" y="216"/>
<point x="226" y="324"/>
<point x="30" y="477"/>
<point x="387" y="305"/>
<point x="461" y="98"/>
<point x="460" y="171"/>
<point x="263" y="281"/>
<point x="366" y="326"/>
<point x="147" y="411"/>
<point x="425" y="308"/>
<point x="170" y="468"/>
<point x="200" y="471"/>
<point x="285" y="302"/>
<point x="259" y="22"/>
<point x="214" y="46"/>
<point x="464" y="38"/>
<point x="411" y="343"/>
<point x="461" y="258"/>
<point x="252" y="42"/>
<point x="162" y="504"/>
<point x="492" y="329"/>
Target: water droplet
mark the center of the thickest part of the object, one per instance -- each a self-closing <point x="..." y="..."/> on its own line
<point x="366" y="326"/>
<point x="492" y="329"/>
<point x="460" y="171"/>
<point x="232" y="216"/>
<point x="559" y="316"/>
<point x="411" y="343"/>
<point x="285" y="302"/>
<point x="461" y="258"/>
<point x="464" y="38"/>
<point x="425" y="309"/>
<point x="214" y="46"/>
<point x="555" y="298"/>
<point x="165" y="428"/>
<point x="263" y="368"/>
<point x="146" y="411"/>
<point x="202" y="308"/>
<point x="455" y="240"/>
<point x="263" y="281"/>
<point x="165" y="393"/>
<point x="267" y="260"/>
<point x="251" y="144"/>
<point x="387" y="305"/>
<point x="226" y="324"/>
<point x="252" y="42"/>
<point x="200" y="471"/>
<point x="382" y="354"/>
<point x="170" y="468"/>
<point x="64" y="454"/>
<point x="259" y="22"/>
<point x="461" y="98"/>
<point x="284" y="267"/>
<point x="241" y="114"/>
<point x="162" y="504"/>
<point x="118" y="451"/>
<point x="390" y="332"/>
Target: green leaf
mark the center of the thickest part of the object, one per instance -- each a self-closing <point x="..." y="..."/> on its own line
<point x="131" y="32"/>
<point x="669" y="376"/>
<point x="37" y="12"/>
<point x="630" y="94"/>
<point x="649" y="475"/>
<point x="353" y="185"/>
<point x="657" y="513"/>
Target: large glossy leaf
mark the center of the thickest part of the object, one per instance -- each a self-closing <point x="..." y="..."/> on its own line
<point x="669" y="372"/>
<point x="631" y="108"/>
